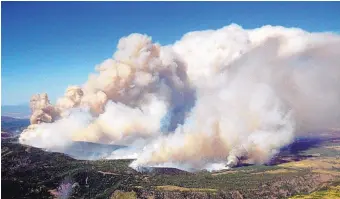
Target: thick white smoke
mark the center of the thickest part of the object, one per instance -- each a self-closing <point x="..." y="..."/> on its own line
<point x="209" y="99"/>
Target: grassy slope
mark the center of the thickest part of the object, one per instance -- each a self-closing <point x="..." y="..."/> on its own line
<point x="332" y="192"/>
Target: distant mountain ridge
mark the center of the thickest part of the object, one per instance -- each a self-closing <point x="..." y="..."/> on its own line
<point x="21" y="111"/>
<point x="13" y="125"/>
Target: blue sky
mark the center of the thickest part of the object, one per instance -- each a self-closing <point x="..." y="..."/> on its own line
<point x="47" y="46"/>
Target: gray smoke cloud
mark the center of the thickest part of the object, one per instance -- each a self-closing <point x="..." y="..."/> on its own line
<point x="202" y="103"/>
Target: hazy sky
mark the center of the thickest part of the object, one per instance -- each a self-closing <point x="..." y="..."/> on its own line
<point x="47" y="46"/>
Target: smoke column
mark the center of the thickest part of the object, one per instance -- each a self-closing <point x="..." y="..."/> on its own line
<point x="202" y="103"/>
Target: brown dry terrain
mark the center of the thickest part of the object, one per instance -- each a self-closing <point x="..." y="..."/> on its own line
<point x="309" y="168"/>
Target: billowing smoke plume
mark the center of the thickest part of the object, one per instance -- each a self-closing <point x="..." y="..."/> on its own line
<point x="204" y="102"/>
